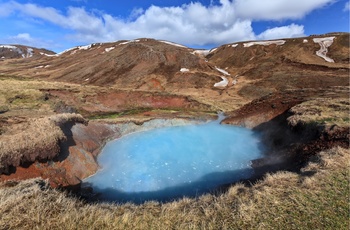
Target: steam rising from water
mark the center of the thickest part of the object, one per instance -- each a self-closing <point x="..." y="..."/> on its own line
<point x="168" y="163"/>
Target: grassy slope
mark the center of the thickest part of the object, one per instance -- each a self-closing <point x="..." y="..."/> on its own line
<point x="281" y="201"/>
<point x="322" y="111"/>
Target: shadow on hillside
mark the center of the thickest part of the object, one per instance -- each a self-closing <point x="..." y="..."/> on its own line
<point x="64" y="145"/>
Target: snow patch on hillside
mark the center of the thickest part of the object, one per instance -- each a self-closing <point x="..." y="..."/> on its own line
<point x="234" y="45"/>
<point x="74" y="52"/>
<point x="305" y="41"/>
<point x="222" y="71"/>
<point x="85" y="47"/>
<point x="59" y="54"/>
<point x="127" y="42"/>
<point x="201" y="52"/>
<point x="183" y="70"/>
<point x="8" y="47"/>
<point x="41" y="53"/>
<point x="51" y="55"/>
<point x="324" y="43"/>
<point x="223" y="83"/>
<point x="109" y="49"/>
<point x="41" y="66"/>
<point x="30" y="52"/>
<point x="174" y="44"/>
<point x="264" y="43"/>
<point x="14" y="49"/>
<point x="74" y="49"/>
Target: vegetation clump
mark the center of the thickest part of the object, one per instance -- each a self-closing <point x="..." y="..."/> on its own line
<point x="36" y="139"/>
<point x="323" y="111"/>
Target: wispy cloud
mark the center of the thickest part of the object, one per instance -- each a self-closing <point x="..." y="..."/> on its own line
<point x="27" y="39"/>
<point x="191" y="24"/>
<point x="347" y="6"/>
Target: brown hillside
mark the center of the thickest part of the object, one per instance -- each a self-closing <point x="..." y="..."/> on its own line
<point x="154" y="66"/>
<point x="129" y="64"/>
<point x="293" y="65"/>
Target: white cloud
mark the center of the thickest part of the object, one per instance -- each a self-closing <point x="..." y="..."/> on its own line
<point x="289" y="31"/>
<point x="23" y="37"/>
<point x="347" y="6"/>
<point x="135" y="13"/>
<point x="190" y="24"/>
<point x="277" y="9"/>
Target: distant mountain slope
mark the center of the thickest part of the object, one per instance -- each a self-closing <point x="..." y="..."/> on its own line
<point x="137" y="64"/>
<point x="225" y="77"/>
<point x="301" y="50"/>
<point x="20" y="51"/>
<point x="309" y="62"/>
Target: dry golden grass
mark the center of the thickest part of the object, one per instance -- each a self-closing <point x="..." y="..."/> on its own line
<point x="280" y="201"/>
<point x="27" y="97"/>
<point x="18" y="94"/>
<point x="38" y="138"/>
<point x="324" y="111"/>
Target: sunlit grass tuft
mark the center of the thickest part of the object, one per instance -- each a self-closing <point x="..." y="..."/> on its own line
<point x="322" y="111"/>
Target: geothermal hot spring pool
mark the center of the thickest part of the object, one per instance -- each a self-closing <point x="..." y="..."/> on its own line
<point x="168" y="163"/>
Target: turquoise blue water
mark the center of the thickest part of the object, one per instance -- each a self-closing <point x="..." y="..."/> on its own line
<point x="169" y="163"/>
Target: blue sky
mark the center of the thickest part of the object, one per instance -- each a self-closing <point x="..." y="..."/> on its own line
<point x="62" y="24"/>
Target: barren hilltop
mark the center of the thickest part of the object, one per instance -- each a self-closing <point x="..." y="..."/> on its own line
<point x="58" y="110"/>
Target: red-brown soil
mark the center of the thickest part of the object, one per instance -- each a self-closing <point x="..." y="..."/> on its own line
<point x="77" y="159"/>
